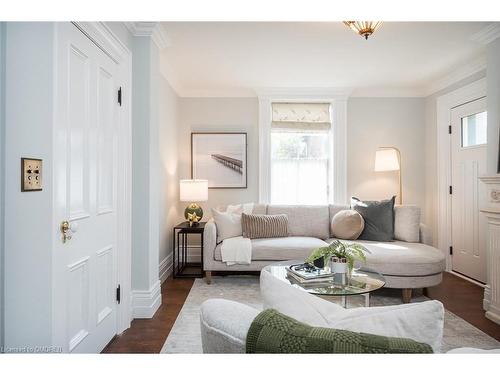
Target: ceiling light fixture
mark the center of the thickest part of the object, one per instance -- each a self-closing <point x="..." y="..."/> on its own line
<point x="363" y="28"/>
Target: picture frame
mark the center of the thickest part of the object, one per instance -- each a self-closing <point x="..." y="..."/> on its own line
<point x="220" y="158"/>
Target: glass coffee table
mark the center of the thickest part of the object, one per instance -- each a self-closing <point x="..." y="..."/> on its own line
<point x="361" y="282"/>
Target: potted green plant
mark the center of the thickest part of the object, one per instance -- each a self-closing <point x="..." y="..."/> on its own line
<point x="346" y="252"/>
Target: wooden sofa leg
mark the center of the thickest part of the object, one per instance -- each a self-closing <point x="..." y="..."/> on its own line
<point x="425" y="292"/>
<point x="208" y="277"/>
<point x="407" y="295"/>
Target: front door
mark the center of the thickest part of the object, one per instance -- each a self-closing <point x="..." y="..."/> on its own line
<point x="85" y="144"/>
<point x="468" y="158"/>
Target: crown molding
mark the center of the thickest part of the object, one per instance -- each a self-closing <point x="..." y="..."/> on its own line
<point x="214" y="93"/>
<point x="301" y="92"/>
<point x="457" y="75"/>
<point x="154" y="30"/>
<point x="388" y="92"/>
<point x="487" y="34"/>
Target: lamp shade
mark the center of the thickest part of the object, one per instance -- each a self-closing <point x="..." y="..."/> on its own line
<point x="386" y="159"/>
<point x="193" y="190"/>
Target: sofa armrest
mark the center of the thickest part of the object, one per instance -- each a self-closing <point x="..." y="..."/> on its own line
<point x="209" y="243"/>
<point x="224" y="325"/>
<point x="425" y="235"/>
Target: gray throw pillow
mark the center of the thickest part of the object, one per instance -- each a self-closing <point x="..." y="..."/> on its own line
<point x="379" y="219"/>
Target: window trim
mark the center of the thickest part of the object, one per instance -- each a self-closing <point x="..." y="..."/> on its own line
<point x="337" y="98"/>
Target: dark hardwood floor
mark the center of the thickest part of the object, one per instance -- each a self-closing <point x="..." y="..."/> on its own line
<point x="464" y="299"/>
<point x="148" y="335"/>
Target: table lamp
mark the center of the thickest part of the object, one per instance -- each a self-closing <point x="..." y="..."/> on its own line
<point x="389" y="159"/>
<point x="193" y="191"/>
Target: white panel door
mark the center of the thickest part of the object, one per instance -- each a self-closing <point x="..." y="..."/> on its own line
<point x="85" y="144"/>
<point x="468" y="155"/>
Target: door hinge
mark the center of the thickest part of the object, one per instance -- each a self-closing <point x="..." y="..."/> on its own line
<point x="451" y="189"/>
<point x="449" y="129"/>
<point x="118" y="294"/>
<point x="120" y="96"/>
<point x="451" y="250"/>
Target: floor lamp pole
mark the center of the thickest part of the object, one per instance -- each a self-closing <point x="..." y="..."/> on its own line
<point x="399" y="176"/>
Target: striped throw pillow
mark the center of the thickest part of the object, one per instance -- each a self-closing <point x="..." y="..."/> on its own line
<point x="264" y="226"/>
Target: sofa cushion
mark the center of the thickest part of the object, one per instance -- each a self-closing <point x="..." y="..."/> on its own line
<point x="422" y="321"/>
<point x="284" y="248"/>
<point x="257" y="208"/>
<point x="398" y="258"/>
<point x="224" y="325"/>
<point x="274" y="332"/>
<point x="347" y="225"/>
<point x="228" y="221"/>
<point x="407" y="223"/>
<point x="379" y="218"/>
<point x="264" y="226"/>
<point x="309" y="221"/>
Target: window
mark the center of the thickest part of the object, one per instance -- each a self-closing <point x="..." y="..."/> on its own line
<point x="300" y="153"/>
<point x="474" y="130"/>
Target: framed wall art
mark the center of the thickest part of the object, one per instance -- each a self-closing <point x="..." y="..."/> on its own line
<point x="220" y="158"/>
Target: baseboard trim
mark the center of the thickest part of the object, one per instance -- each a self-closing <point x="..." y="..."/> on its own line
<point x="465" y="277"/>
<point x="165" y="268"/>
<point x="146" y="302"/>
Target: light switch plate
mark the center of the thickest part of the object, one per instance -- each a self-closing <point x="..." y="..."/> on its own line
<point x="31" y="174"/>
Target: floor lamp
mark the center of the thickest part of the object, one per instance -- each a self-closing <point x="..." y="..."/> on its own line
<point x="389" y="159"/>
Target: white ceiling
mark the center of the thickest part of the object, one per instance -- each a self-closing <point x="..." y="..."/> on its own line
<point x="401" y="58"/>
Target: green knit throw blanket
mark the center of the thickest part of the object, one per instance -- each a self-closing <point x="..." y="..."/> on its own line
<point x="273" y="332"/>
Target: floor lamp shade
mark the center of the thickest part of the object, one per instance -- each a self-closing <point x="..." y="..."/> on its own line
<point x="193" y="191"/>
<point x="389" y="159"/>
<point x="386" y="159"/>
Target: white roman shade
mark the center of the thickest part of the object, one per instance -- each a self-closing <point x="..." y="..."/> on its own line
<point x="301" y="116"/>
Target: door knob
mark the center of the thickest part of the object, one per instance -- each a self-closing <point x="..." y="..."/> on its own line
<point x="67" y="230"/>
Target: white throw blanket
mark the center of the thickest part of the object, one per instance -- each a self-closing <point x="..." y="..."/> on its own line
<point x="236" y="250"/>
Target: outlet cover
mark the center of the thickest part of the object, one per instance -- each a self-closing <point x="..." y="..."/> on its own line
<point x="31" y="174"/>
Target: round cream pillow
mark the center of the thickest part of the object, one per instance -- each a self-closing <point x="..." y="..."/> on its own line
<point x="347" y="225"/>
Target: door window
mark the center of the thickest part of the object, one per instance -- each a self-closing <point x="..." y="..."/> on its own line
<point x="474" y="129"/>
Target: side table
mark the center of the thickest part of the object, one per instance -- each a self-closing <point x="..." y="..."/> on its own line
<point x="181" y="266"/>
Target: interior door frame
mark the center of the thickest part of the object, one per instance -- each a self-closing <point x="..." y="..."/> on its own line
<point x="102" y="36"/>
<point x="445" y="104"/>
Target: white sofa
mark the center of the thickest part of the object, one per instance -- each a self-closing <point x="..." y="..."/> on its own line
<point x="224" y="326"/>
<point x="405" y="265"/>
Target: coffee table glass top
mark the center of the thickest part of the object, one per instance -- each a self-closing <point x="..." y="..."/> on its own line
<point x="361" y="282"/>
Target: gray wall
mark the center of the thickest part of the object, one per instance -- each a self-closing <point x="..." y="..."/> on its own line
<point x="168" y="175"/>
<point x="29" y="224"/>
<point x="2" y="177"/>
<point x="376" y="122"/>
<point x="431" y="172"/>
<point x="145" y="164"/>
<point x="493" y="83"/>
<point x="155" y="181"/>
<point x="220" y="114"/>
<point x="371" y="122"/>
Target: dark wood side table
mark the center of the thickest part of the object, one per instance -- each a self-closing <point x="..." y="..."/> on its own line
<point x="181" y="266"/>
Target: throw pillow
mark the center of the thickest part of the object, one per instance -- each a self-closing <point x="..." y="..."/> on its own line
<point x="347" y="225"/>
<point x="407" y="223"/>
<point x="379" y="219"/>
<point x="264" y="226"/>
<point x="273" y="332"/>
<point x="228" y="221"/>
<point x="421" y="321"/>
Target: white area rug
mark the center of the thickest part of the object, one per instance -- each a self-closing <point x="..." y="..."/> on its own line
<point x="185" y="336"/>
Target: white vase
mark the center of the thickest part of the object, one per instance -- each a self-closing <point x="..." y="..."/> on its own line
<point x="339" y="268"/>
